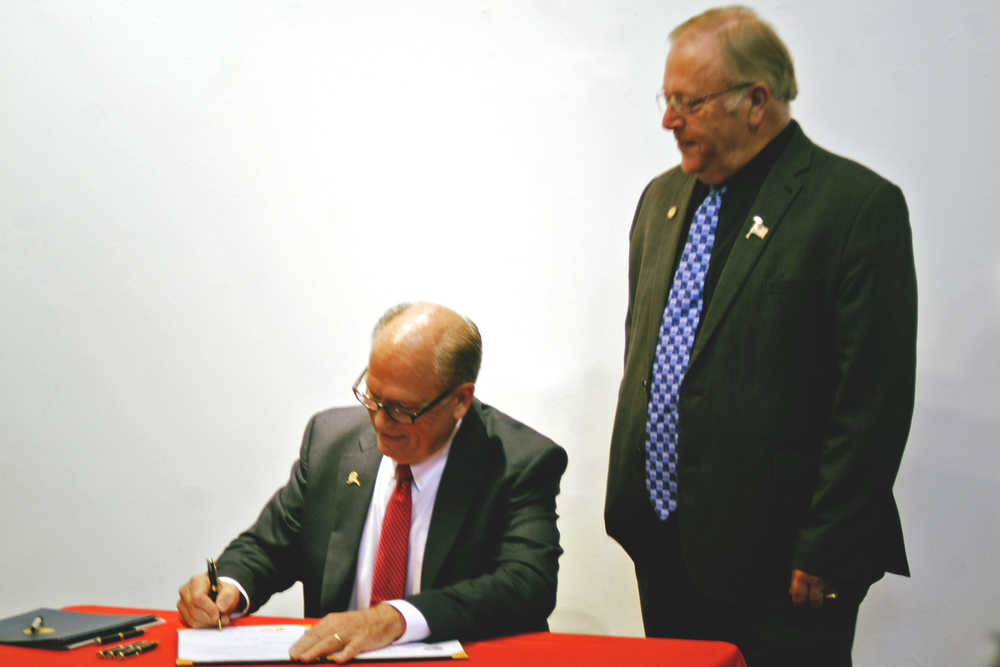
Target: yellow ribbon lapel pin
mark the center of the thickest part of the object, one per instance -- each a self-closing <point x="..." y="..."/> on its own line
<point x="352" y="478"/>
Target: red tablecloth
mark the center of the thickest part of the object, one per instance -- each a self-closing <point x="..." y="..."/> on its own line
<point x="542" y="649"/>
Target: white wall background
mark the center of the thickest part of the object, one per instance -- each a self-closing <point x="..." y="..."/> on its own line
<point x="205" y="205"/>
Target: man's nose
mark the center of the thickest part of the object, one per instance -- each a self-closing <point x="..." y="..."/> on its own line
<point x="671" y="119"/>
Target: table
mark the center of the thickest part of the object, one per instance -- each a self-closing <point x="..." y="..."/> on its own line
<point x="539" y="649"/>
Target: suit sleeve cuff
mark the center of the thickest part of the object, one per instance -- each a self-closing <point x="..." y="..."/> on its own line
<point x="416" y="625"/>
<point x="244" y="598"/>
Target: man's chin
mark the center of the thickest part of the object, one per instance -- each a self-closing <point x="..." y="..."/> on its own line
<point x="391" y="446"/>
<point x="689" y="164"/>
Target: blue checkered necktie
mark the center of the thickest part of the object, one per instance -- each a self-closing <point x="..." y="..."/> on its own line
<point x="673" y="351"/>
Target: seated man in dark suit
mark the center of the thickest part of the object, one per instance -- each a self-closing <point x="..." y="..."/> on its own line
<point x="423" y="515"/>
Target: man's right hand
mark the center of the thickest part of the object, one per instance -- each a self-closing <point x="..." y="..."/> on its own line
<point x="198" y="610"/>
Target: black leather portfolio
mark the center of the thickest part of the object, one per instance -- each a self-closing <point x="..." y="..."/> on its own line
<point x="58" y="629"/>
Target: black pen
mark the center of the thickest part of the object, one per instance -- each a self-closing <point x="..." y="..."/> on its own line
<point x="213" y="585"/>
<point x="144" y="647"/>
<point x="118" y="636"/>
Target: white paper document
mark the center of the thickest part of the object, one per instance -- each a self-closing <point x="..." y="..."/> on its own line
<point x="270" y="643"/>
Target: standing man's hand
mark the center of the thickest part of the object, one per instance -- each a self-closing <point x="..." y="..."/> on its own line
<point x="809" y="588"/>
<point x="198" y="610"/>
<point x="345" y="634"/>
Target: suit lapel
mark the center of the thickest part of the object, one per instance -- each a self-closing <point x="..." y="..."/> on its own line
<point x="662" y="242"/>
<point x="780" y="188"/>
<point x="349" y="506"/>
<point x="460" y="482"/>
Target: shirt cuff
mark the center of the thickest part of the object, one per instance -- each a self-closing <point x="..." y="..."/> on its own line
<point x="416" y="625"/>
<point x="243" y="596"/>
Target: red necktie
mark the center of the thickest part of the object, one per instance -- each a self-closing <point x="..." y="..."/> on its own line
<point x="389" y="579"/>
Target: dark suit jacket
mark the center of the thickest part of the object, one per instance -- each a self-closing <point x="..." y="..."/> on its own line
<point x="492" y="548"/>
<point x="797" y="400"/>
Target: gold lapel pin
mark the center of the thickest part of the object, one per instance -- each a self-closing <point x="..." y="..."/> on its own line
<point x="759" y="229"/>
<point x="353" y="479"/>
<point x="671" y="213"/>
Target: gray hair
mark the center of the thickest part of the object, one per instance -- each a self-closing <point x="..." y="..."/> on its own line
<point x="751" y="48"/>
<point x="457" y="355"/>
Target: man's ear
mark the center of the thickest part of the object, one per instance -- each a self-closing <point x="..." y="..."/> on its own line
<point x="463" y="395"/>
<point x="760" y="97"/>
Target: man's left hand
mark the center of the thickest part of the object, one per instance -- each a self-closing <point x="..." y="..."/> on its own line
<point x="809" y="588"/>
<point x="345" y="634"/>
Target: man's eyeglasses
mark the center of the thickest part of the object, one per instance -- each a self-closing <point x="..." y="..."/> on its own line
<point x="394" y="411"/>
<point x="683" y="106"/>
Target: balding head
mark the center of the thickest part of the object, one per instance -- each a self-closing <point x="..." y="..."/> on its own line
<point x="433" y="337"/>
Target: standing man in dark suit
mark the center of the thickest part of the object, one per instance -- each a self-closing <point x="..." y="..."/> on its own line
<point x="769" y="365"/>
<point x="473" y="490"/>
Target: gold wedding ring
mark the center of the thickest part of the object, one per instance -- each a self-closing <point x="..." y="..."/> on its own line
<point x="336" y="635"/>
